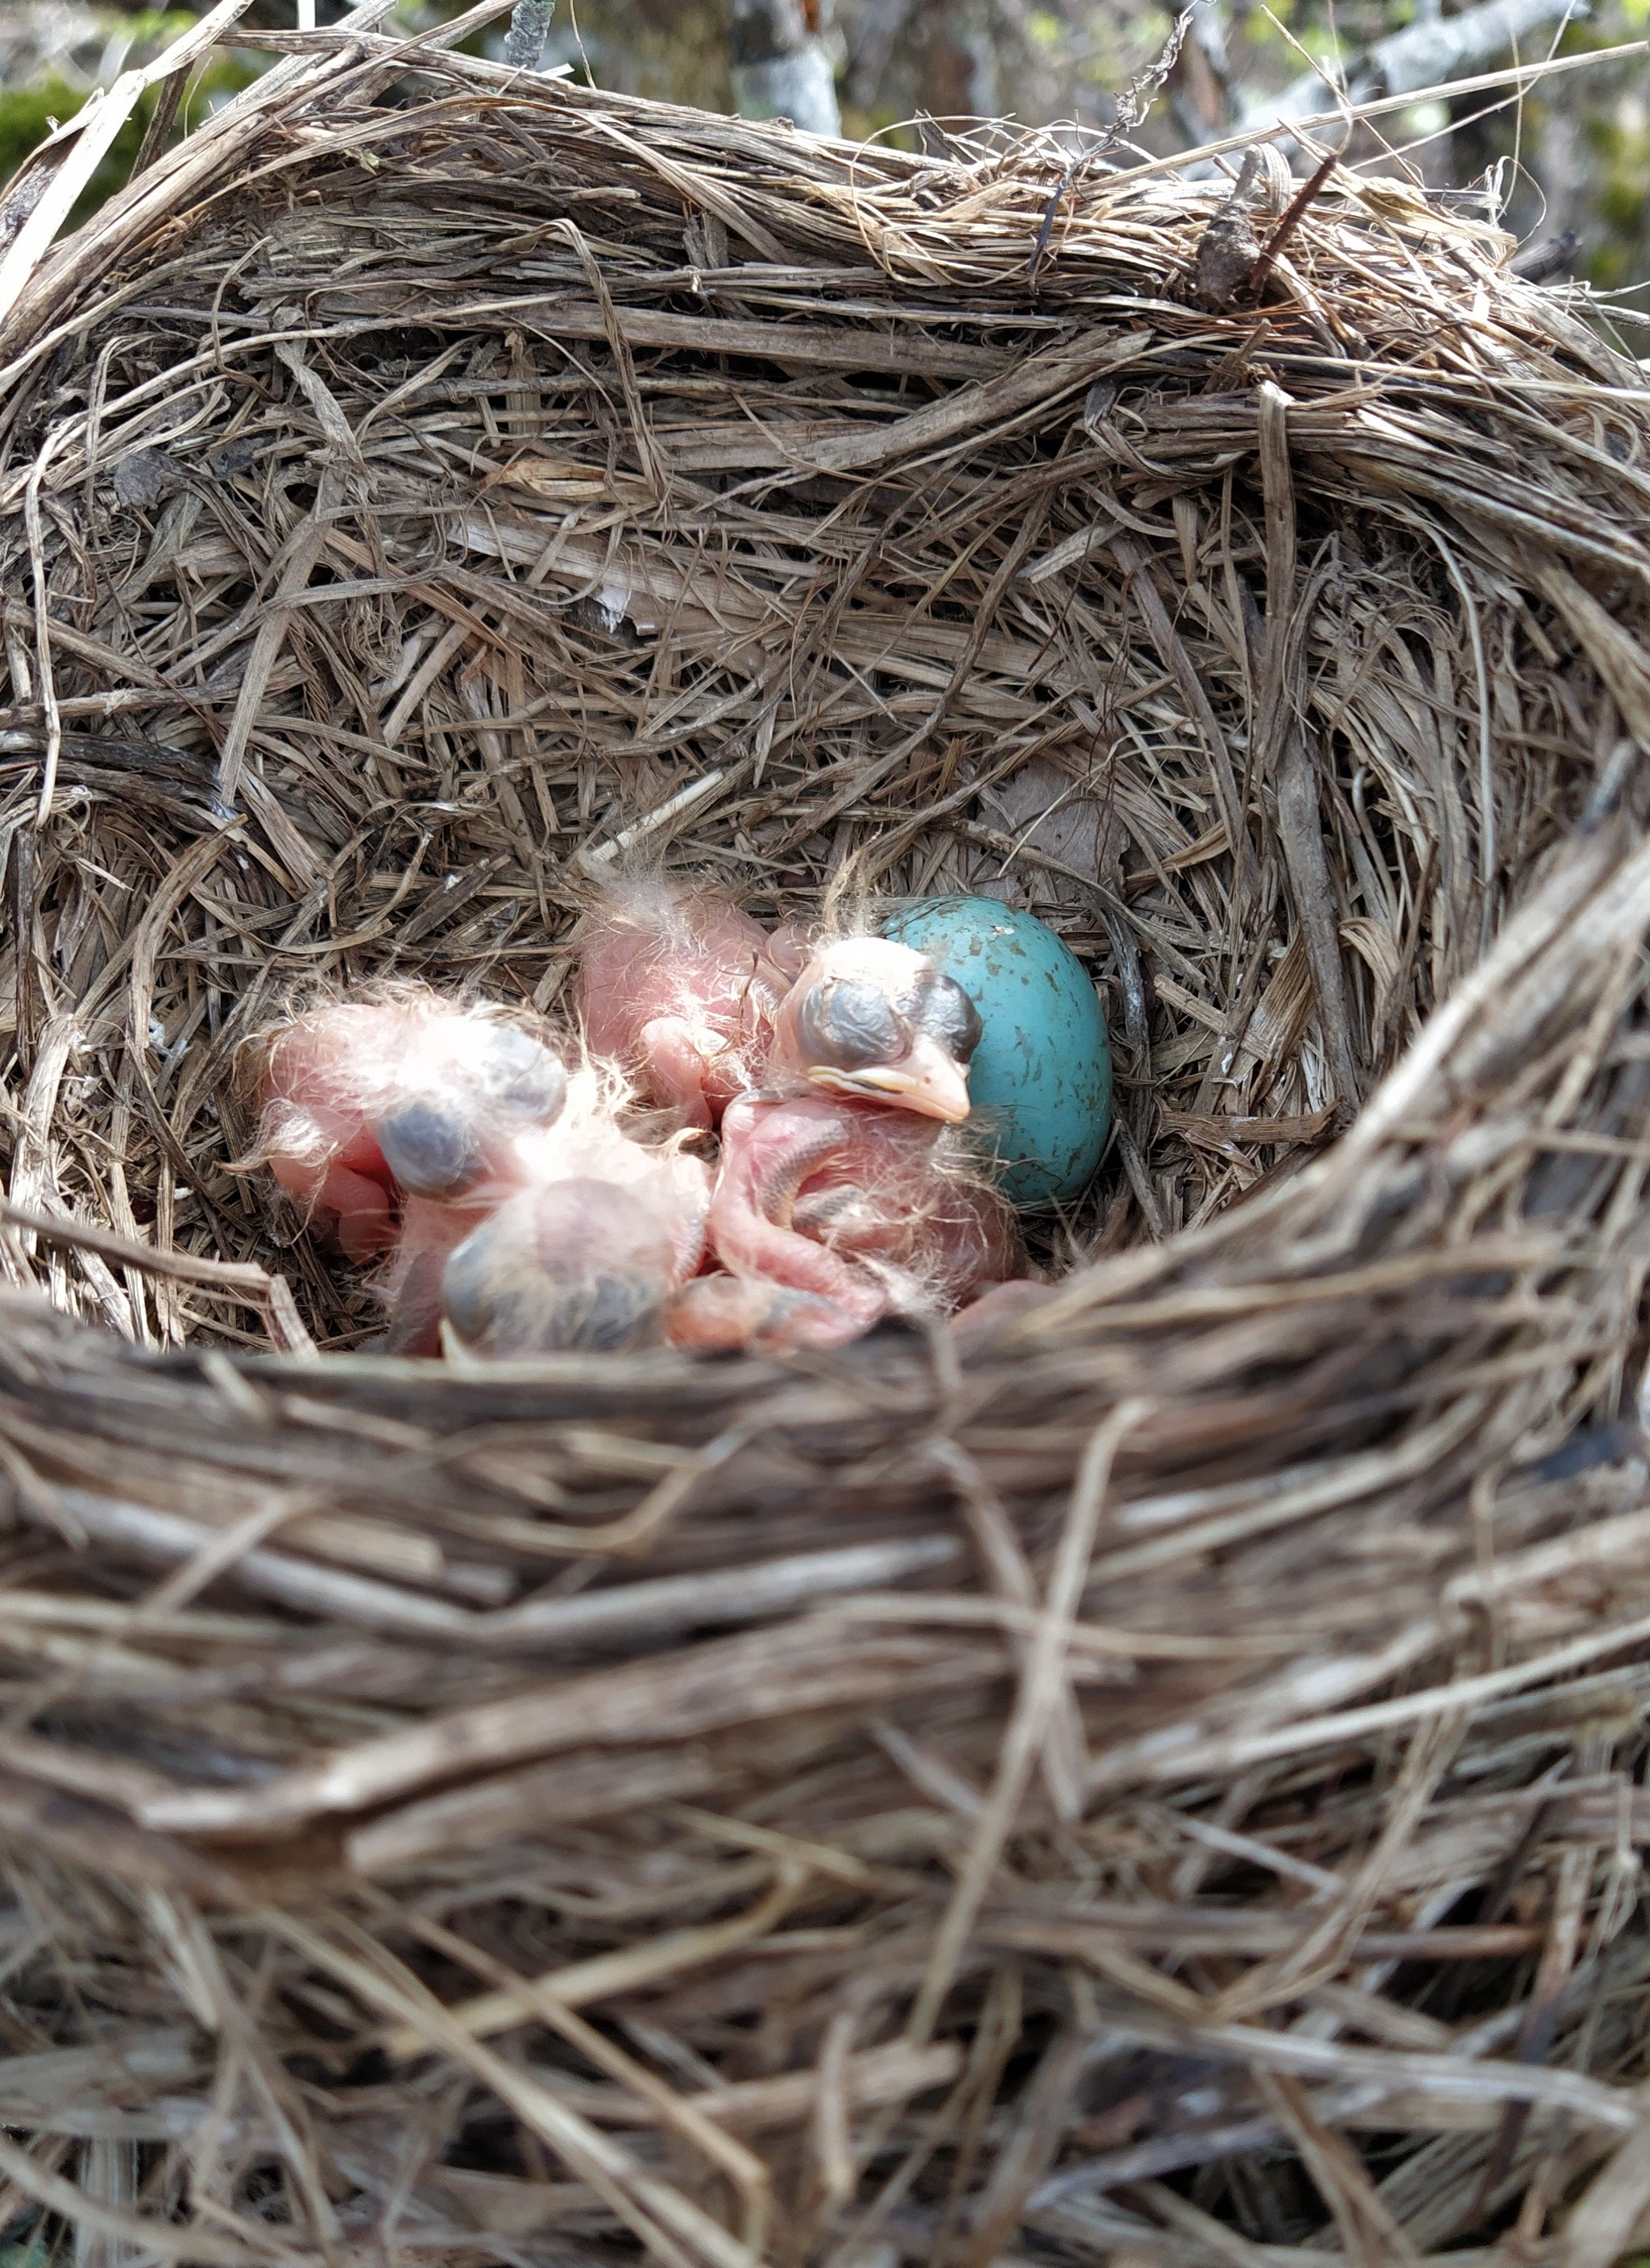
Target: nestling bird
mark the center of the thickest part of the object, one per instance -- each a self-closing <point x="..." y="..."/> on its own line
<point x="519" y="1219"/>
<point x="830" y="1215"/>
<point x="699" y="1004"/>
<point x="677" y="986"/>
<point x="362" y="1098"/>
<point x="876" y="1021"/>
<point x="399" y="1122"/>
<point x="589" y="1251"/>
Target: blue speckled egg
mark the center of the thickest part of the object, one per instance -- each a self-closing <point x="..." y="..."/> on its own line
<point x="1041" y="1083"/>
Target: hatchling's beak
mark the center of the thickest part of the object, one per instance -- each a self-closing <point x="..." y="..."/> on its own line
<point x="929" y="1081"/>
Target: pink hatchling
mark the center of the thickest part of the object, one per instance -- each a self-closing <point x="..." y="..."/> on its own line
<point x="679" y="988"/>
<point x="875" y="1021"/>
<point x="827" y="1215"/>
<point x="588" y="1252"/>
<point x="399" y="1123"/>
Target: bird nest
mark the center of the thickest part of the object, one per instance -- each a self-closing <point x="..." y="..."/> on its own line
<point x="1155" y="1785"/>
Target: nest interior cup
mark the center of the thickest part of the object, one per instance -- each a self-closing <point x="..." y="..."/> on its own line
<point x="1157" y="1778"/>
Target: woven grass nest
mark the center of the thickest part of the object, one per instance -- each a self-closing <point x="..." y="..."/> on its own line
<point x="1159" y="1785"/>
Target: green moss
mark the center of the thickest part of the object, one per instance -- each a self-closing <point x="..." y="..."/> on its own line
<point x="1263" y="27"/>
<point x="23" y="2246"/>
<point x="28" y="114"/>
<point x="1618" y="140"/>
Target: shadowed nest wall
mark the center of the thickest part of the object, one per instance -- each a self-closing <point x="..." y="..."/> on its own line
<point x="1160" y="1785"/>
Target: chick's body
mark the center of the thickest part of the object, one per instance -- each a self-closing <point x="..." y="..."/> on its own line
<point x="588" y="1251"/>
<point x="679" y="988"/>
<point x="828" y="1215"/>
<point x="401" y="1123"/>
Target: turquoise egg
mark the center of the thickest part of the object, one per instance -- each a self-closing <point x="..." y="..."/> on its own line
<point x="1040" y="1083"/>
